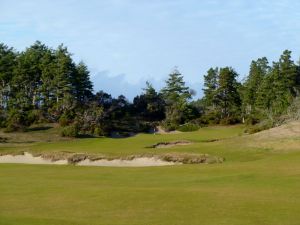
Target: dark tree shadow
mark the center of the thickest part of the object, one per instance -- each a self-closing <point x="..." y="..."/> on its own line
<point x="29" y="129"/>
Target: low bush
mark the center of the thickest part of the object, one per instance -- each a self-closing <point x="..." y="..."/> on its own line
<point x="70" y="131"/>
<point x="17" y="121"/>
<point x="188" y="127"/>
<point x="168" y="126"/>
<point x="210" y="118"/>
<point x="229" y="120"/>
<point x="264" y="125"/>
<point x="64" y="120"/>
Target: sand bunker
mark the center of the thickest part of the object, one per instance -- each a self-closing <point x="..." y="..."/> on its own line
<point x="137" y="162"/>
<point x="170" y="144"/>
<point x="28" y="158"/>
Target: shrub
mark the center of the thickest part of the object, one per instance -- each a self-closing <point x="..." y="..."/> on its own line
<point x="168" y="126"/>
<point x="264" y="125"/>
<point x="229" y="120"/>
<point x="210" y="118"/>
<point x="99" y="132"/>
<point x="188" y="127"/>
<point x="2" y="119"/>
<point x="64" y="120"/>
<point x="70" y="131"/>
<point x="17" y="121"/>
<point x="34" y="116"/>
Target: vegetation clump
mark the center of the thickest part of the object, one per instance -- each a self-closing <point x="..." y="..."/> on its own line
<point x="170" y="144"/>
<point x="188" y="127"/>
<point x="70" y="131"/>
<point x="191" y="158"/>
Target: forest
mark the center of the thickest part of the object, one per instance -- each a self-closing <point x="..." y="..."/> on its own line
<point x="45" y="85"/>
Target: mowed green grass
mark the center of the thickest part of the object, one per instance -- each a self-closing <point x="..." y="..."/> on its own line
<point x="254" y="186"/>
<point x="139" y="144"/>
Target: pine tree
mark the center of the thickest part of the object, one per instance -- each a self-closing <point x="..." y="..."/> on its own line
<point x="210" y="87"/>
<point x="7" y="65"/>
<point x="149" y="105"/>
<point x="27" y="78"/>
<point x="279" y="87"/>
<point x="288" y="70"/>
<point x="175" y="89"/>
<point x="258" y="71"/>
<point x="64" y="78"/>
<point x="176" y="96"/>
<point x="82" y="84"/>
<point x="229" y="101"/>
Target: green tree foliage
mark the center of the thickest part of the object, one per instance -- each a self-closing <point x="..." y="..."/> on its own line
<point x="42" y="84"/>
<point x="221" y="95"/>
<point x="279" y="86"/>
<point x="258" y="72"/>
<point x="26" y="81"/>
<point x="210" y="87"/>
<point x="229" y="101"/>
<point x="176" y="95"/>
<point x="149" y="105"/>
<point x="83" y="87"/>
<point x="7" y="65"/>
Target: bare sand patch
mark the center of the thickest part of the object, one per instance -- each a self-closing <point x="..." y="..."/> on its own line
<point x="136" y="162"/>
<point x="28" y="158"/>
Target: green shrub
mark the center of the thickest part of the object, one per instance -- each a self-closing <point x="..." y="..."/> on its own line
<point x="17" y="121"/>
<point x="211" y="118"/>
<point x="2" y="119"/>
<point x="229" y="120"/>
<point x="264" y="125"/>
<point x="168" y="126"/>
<point x="188" y="127"/>
<point x="99" y="132"/>
<point x="70" y="131"/>
<point x="64" y="120"/>
<point x="34" y="116"/>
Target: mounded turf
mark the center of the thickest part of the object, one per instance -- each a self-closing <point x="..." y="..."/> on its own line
<point x="255" y="185"/>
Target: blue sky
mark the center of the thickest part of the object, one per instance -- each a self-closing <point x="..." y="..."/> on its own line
<point x="126" y="42"/>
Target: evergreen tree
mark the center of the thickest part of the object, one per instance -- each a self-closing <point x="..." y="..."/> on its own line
<point x="82" y="84"/>
<point x="47" y="88"/>
<point x="210" y="87"/>
<point x="27" y="78"/>
<point x="279" y="87"/>
<point x="175" y="89"/>
<point x="149" y="106"/>
<point x="7" y="65"/>
<point x="258" y="71"/>
<point x="176" y="96"/>
<point x="65" y="73"/>
<point x="288" y="71"/>
<point x="229" y="100"/>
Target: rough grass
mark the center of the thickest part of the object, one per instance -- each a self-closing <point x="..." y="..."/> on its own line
<point x="257" y="184"/>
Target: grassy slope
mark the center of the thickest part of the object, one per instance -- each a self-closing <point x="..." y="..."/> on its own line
<point x="137" y="144"/>
<point x="254" y="186"/>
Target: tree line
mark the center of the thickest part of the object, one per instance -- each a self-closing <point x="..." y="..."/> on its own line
<point x="268" y="95"/>
<point x="45" y="85"/>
